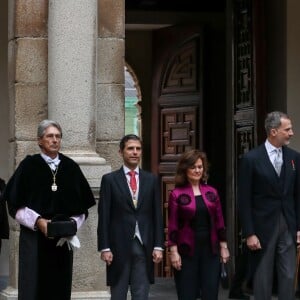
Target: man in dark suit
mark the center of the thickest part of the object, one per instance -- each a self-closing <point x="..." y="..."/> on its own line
<point x="130" y="226"/>
<point x="269" y="206"/>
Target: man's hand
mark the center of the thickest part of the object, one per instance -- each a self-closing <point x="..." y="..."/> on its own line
<point x="157" y="256"/>
<point x="41" y="225"/>
<point x="107" y="257"/>
<point x="253" y="242"/>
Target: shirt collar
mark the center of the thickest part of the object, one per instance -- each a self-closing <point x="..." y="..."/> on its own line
<point x="126" y="170"/>
<point x="270" y="148"/>
<point x="48" y="159"/>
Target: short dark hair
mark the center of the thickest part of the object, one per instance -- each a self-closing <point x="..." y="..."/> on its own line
<point x="187" y="160"/>
<point x="128" y="137"/>
<point x="273" y="120"/>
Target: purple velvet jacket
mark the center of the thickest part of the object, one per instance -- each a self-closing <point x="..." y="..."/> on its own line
<point x="182" y="209"/>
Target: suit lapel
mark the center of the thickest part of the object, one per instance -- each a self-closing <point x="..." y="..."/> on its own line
<point x="122" y="183"/>
<point x="289" y="167"/>
<point x="142" y="187"/>
<point x="267" y="166"/>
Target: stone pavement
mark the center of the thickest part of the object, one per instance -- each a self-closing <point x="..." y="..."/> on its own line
<point x="3" y="282"/>
<point x="164" y="289"/>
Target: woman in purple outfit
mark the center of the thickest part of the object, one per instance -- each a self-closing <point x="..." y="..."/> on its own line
<point x="197" y="237"/>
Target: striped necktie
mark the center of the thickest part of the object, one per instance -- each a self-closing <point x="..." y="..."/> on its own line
<point x="278" y="161"/>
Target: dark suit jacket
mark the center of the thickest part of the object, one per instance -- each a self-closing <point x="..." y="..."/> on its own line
<point x="118" y="216"/>
<point x="261" y="196"/>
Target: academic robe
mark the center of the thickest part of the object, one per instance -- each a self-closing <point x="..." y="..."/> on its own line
<point x="45" y="270"/>
<point x="4" y="227"/>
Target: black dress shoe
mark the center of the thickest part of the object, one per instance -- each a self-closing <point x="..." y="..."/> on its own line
<point x="239" y="295"/>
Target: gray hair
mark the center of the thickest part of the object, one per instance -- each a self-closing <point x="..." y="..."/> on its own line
<point x="273" y="120"/>
<point x="44" y="125"/>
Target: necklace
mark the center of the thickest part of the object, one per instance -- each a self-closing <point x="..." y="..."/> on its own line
<point x="54" y="185"/>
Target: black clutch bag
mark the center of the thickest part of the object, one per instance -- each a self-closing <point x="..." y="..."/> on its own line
<point x="61" y="226"/>
<point x="224" y="276"/>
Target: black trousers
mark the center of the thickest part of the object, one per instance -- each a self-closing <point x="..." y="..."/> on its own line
<point x="199" y="272"/>
<point x="134" y="274"/>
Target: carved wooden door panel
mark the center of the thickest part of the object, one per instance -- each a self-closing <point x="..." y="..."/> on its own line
<point x="177" y="107"/>
<point x="249" y="82"/>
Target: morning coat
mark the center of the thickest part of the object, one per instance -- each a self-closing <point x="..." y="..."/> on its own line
<point x="263" y="196"/>
<point x="118" y="217"/>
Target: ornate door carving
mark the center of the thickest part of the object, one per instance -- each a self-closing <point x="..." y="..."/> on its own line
<point x="178" y="126"/>
<point x="177" y="107"/>
<point x="249" y="98"/>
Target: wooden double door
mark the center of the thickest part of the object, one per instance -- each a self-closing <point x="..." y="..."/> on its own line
<point x="195" y="105"/>
<point x="177" y="106"/>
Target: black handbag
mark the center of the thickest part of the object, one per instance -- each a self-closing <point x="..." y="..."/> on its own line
<point x="224" y="276"/>
<point x="61" y="226"/>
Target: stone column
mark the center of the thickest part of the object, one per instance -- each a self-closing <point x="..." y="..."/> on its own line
<point x="110" y="79"/>
<point x="27" y="94"/>
<point x="72" y="36"/>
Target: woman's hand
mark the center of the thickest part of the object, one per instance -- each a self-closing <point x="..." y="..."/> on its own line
<point x="175" y="259"/>
<point x="224" y="252"/>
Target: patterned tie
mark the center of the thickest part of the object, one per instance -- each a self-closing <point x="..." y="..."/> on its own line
<point x="132" y="182"/>
<point x="53" y="163"/>
<point x="278" y="161"/>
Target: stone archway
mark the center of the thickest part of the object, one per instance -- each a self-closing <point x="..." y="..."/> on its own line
<point x="133" y="99"/>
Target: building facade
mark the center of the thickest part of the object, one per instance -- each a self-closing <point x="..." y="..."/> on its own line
<point x="205" y="77"/>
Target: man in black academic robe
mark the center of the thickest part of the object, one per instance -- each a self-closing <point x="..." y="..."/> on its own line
<point x="45" y="269"/>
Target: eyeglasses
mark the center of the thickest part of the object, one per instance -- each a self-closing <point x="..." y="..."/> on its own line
<point x="53" y="136"/>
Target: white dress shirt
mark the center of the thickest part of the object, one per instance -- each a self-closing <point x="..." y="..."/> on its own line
<point x="271" y="153"/>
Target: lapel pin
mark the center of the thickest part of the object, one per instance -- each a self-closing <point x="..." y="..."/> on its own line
<point x="293" y="165"/>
